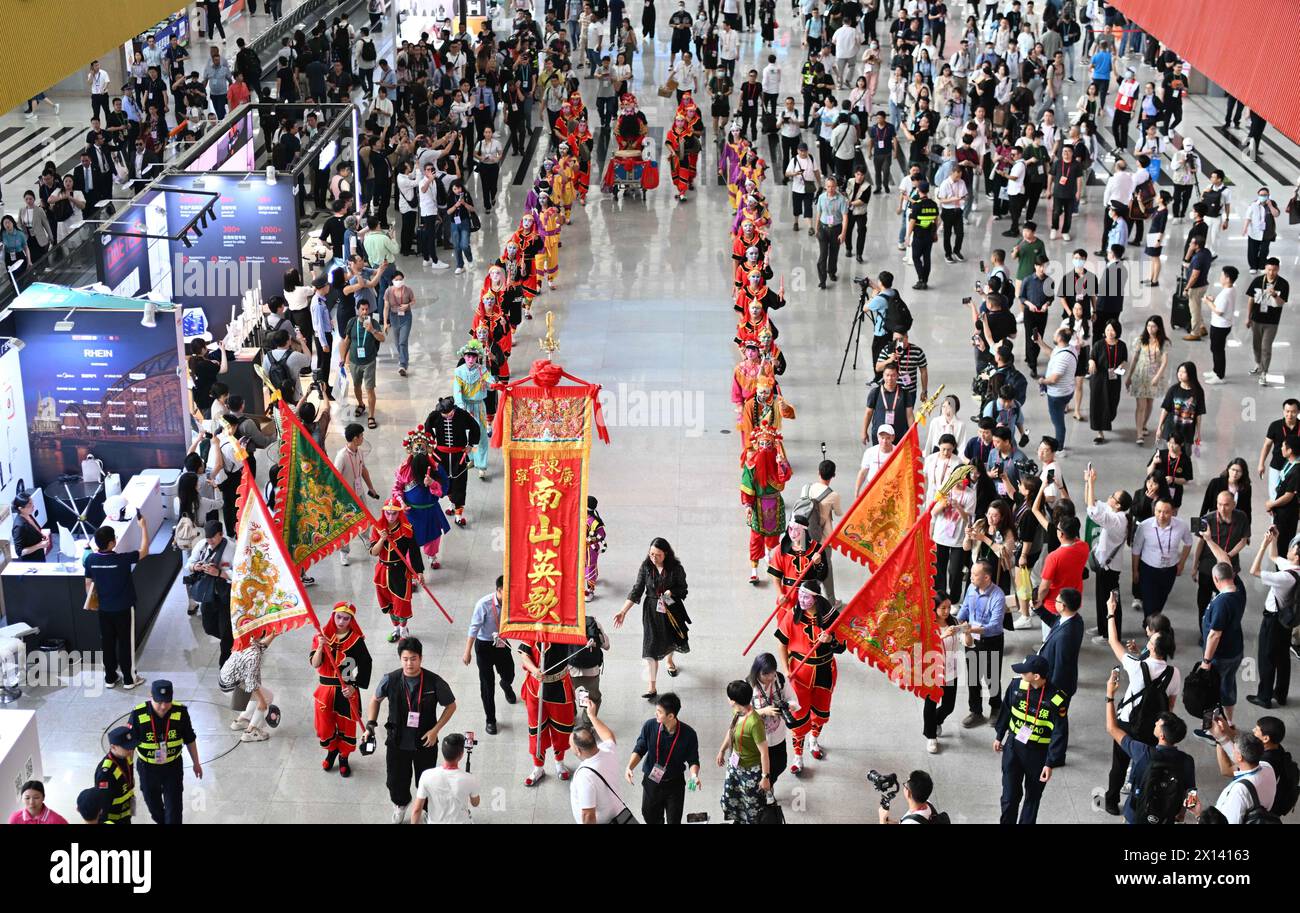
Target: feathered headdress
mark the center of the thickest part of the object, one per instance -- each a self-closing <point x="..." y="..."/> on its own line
<point x="417" y="441"/>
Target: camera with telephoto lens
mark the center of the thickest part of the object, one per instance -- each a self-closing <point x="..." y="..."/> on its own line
<point x="1026" y="467"/>
<point x="885" y="784"/>
<point x="979" y="384"/>
<point x="899" y="348"/>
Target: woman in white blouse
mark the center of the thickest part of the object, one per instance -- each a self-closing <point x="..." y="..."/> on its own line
<point x="946" y="423"/>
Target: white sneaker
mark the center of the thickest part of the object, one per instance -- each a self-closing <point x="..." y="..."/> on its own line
<point x="535" y="777"/>
<point x="438" y="265"/>
<point x="136" y="683"/>
<point x="1263" y="380"/>
<point x="1065" y="236"/>
<point x="1024" y="622"/>
<point x="796" y="765"/>
<point x="399" y="814"/>
<point x="255" y="735"/>
<point x="344" y="559"/>
<point x="459" y="270"/>
<point x="932" y="746"/>
<point x="239" y="725"/>
<point x="29" y="114"/>
<point x="56" y="107"/>
<point x="1213" y="380"/>
<point x="813" y="748"/>
<point x="1051" y="236"/>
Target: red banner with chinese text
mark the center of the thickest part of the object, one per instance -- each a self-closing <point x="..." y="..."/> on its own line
<point x="891" y="624"/>
<point x="887" y="507"/>
<point x="545" y="438"/>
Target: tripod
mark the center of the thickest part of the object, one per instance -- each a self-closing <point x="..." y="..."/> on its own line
<point x="854" y="338"/>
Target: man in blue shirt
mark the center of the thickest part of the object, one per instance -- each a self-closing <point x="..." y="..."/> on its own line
<point x="668" y="750"/>
<point x="1221" y="637"/>
<point x="108" y="574"/>
<point x="981" y="615"/>
<point x="1170" y="730"/>
<point x="1101" y="63"/>
<point x="491" y="653"/>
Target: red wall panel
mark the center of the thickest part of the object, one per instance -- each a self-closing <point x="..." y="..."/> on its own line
<point x="1249" y="47"/>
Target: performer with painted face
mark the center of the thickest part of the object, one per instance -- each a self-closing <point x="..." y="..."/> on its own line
<point x="755" y="321"/>
<point x="473" y="383"/>
<point x="548" y="698"/>
<point x="563" y="180"/>
<point x="393" y="544"/>
<point x="764" y="472"/>
<point x="749" y="237"/>
<point x="342" y="663"/>
<point x="581" y="140"/>
<point x="681" y="156"/>
<point x="492" y="329"/>
<point x="755" y="289"/>
<point x="455" y="434"/>
<point x="420" y="482"/>
<point x="547" y="263"/>
<point x="765" y="409"/>
<point x="797" y="554"/>
<point x="804" y="641"/>
<point x="596" y="545"/>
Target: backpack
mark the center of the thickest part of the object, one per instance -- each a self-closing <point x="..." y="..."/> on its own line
<point x="1288" y="785"/>
<point x="1154" y="700"/>
<point x="898" y="317"/>
<point x="1213" y="200"/>
<point x="186" y="533"/>
<point x="1257" y="814"/>
<point x="1160" y="797"/>
<point x="368" y="51"/>
<point x="1200" y="691"/>
<point x="277" y="372"/>
<point x="806" y="512"/>
<point x="1288" y="612"/>
<point x="936" y="817"/>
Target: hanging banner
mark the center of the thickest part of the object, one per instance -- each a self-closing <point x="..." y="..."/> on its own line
<point x="267" y="595"/>
<point x="316" y="511"/>
<point x="544" y="431"/>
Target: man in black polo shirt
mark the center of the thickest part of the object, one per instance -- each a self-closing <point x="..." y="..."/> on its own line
<point x="1266" y="296"/>
<point x="666" y="749"/>
<point x="414" y="725"/>
<point x="109" y="575"/>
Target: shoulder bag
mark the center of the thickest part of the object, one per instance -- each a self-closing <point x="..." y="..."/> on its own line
<point x="623" y="817"/>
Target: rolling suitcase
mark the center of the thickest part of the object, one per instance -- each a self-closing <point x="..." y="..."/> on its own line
<point x="1180" y="315"/>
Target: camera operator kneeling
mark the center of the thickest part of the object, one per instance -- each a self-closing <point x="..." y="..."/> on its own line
<point x="916" y="790"/>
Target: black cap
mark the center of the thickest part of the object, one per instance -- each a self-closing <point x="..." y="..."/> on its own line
<point x="162" y="691"/>
<point x="121" y="737"/>
<point x="90" y="804"/>
<point x="1033" y="664"/>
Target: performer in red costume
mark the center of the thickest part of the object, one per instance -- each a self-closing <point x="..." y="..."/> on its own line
<point x="804" y="642"/>
<point x="763" y="474"/>
<point x="797" y="554"/>
<point x="755" y="321"/>
<point x="581" y="141"/>
<point x="548" y="697"/>
<point x="342" y="662"/>
<point x="682" y="154"/>
<point x="755" y="289"/>
<point x="394" y="579"/>
<point x="499" y="332"/>
<point x="749" y="237"/>
<point x="530" y="244"/>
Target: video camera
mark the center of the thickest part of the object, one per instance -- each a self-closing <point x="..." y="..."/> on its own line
<point x="885" y="784"/>
<point x="1026" y="467"/>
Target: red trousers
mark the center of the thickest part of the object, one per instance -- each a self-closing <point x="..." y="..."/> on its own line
<point x="398" y="609"/>
<point x="760" y="545"/>
<point x="554" y="729"/>
<point x="336" y="731"/>
<point x="814" y="702"/>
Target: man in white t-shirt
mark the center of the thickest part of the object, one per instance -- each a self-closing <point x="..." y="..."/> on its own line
<point x="875" y="457"/>
<point x="847" y="43"/>
<point x="594" y="801"/>
<point x="446" y="791"/>
<point x="728" y="49"/>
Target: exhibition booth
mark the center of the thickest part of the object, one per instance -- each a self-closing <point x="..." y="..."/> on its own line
<point x="96" y="427"/>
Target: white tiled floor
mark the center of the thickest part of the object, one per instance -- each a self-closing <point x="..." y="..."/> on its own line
<point x="644" y="301"/>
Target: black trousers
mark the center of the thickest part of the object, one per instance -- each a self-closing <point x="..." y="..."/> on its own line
<point x="1155" y="583"/>
<point x="408" y="233"/>
<point x="493" y="661"/>
<point x="749" y="122"/>
<point x="428" y="236"/>
<point x="399" y="768"/>
<point x="921" y="247"/>
<point x="1119" y="763"/>
<point x="1274" y="659"/>
<point x="933" y="715"/>
<point x="1119" y="127"/>
<point x="789" y="147"/>
<point x="1219" y="350"/>
<point x="457" y="469"/>
<point x="662" y="803"/>
<point x="1032" y="193"/>
<point x="985" y="661"/>
<point x="1035" y="323"/>
<point x="949" y="570"/>
<point x="828" y="251"/>
<point x="1021" y="788"/>
<point x="953" y="224"/>
<point x="115" y="641"/>
<point x="162" y="786"/>
<point x="229" y="504"/>
<point x="1182" y="196"/>
<point x="1256" y="253"/>
<point x="489" y="174"/>
<point x="1104" y="583"/>
<point x="1016" y="203"/>
<point x="857" y="229"/>
<point x="1062" y="213"/>
<point x="1233" y="115"/>
<point x="880" y="164"/>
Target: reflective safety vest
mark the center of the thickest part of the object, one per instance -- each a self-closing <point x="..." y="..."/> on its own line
<point x="926" y="213"/>
<point x="150" y="729"/>
<point x="1036" y="710"/>
<point x="115" y="778"/>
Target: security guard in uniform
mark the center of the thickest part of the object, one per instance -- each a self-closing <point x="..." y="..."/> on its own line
<point x="160" y="728"/>
<point x="1033" y="711"/>
<point x="114" y="778"/>
<point x="924" y="217"/>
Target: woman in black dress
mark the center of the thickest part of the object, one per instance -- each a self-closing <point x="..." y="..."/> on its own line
<point x="1109" y="356"/>
<point x="1235" y="479"/>
<point x="661" y="589"/>
<point x="30" y="542"/>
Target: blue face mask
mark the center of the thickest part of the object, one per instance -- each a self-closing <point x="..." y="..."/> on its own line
<point x="1078" y="264"/>
<point x="1263" y="197"/>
